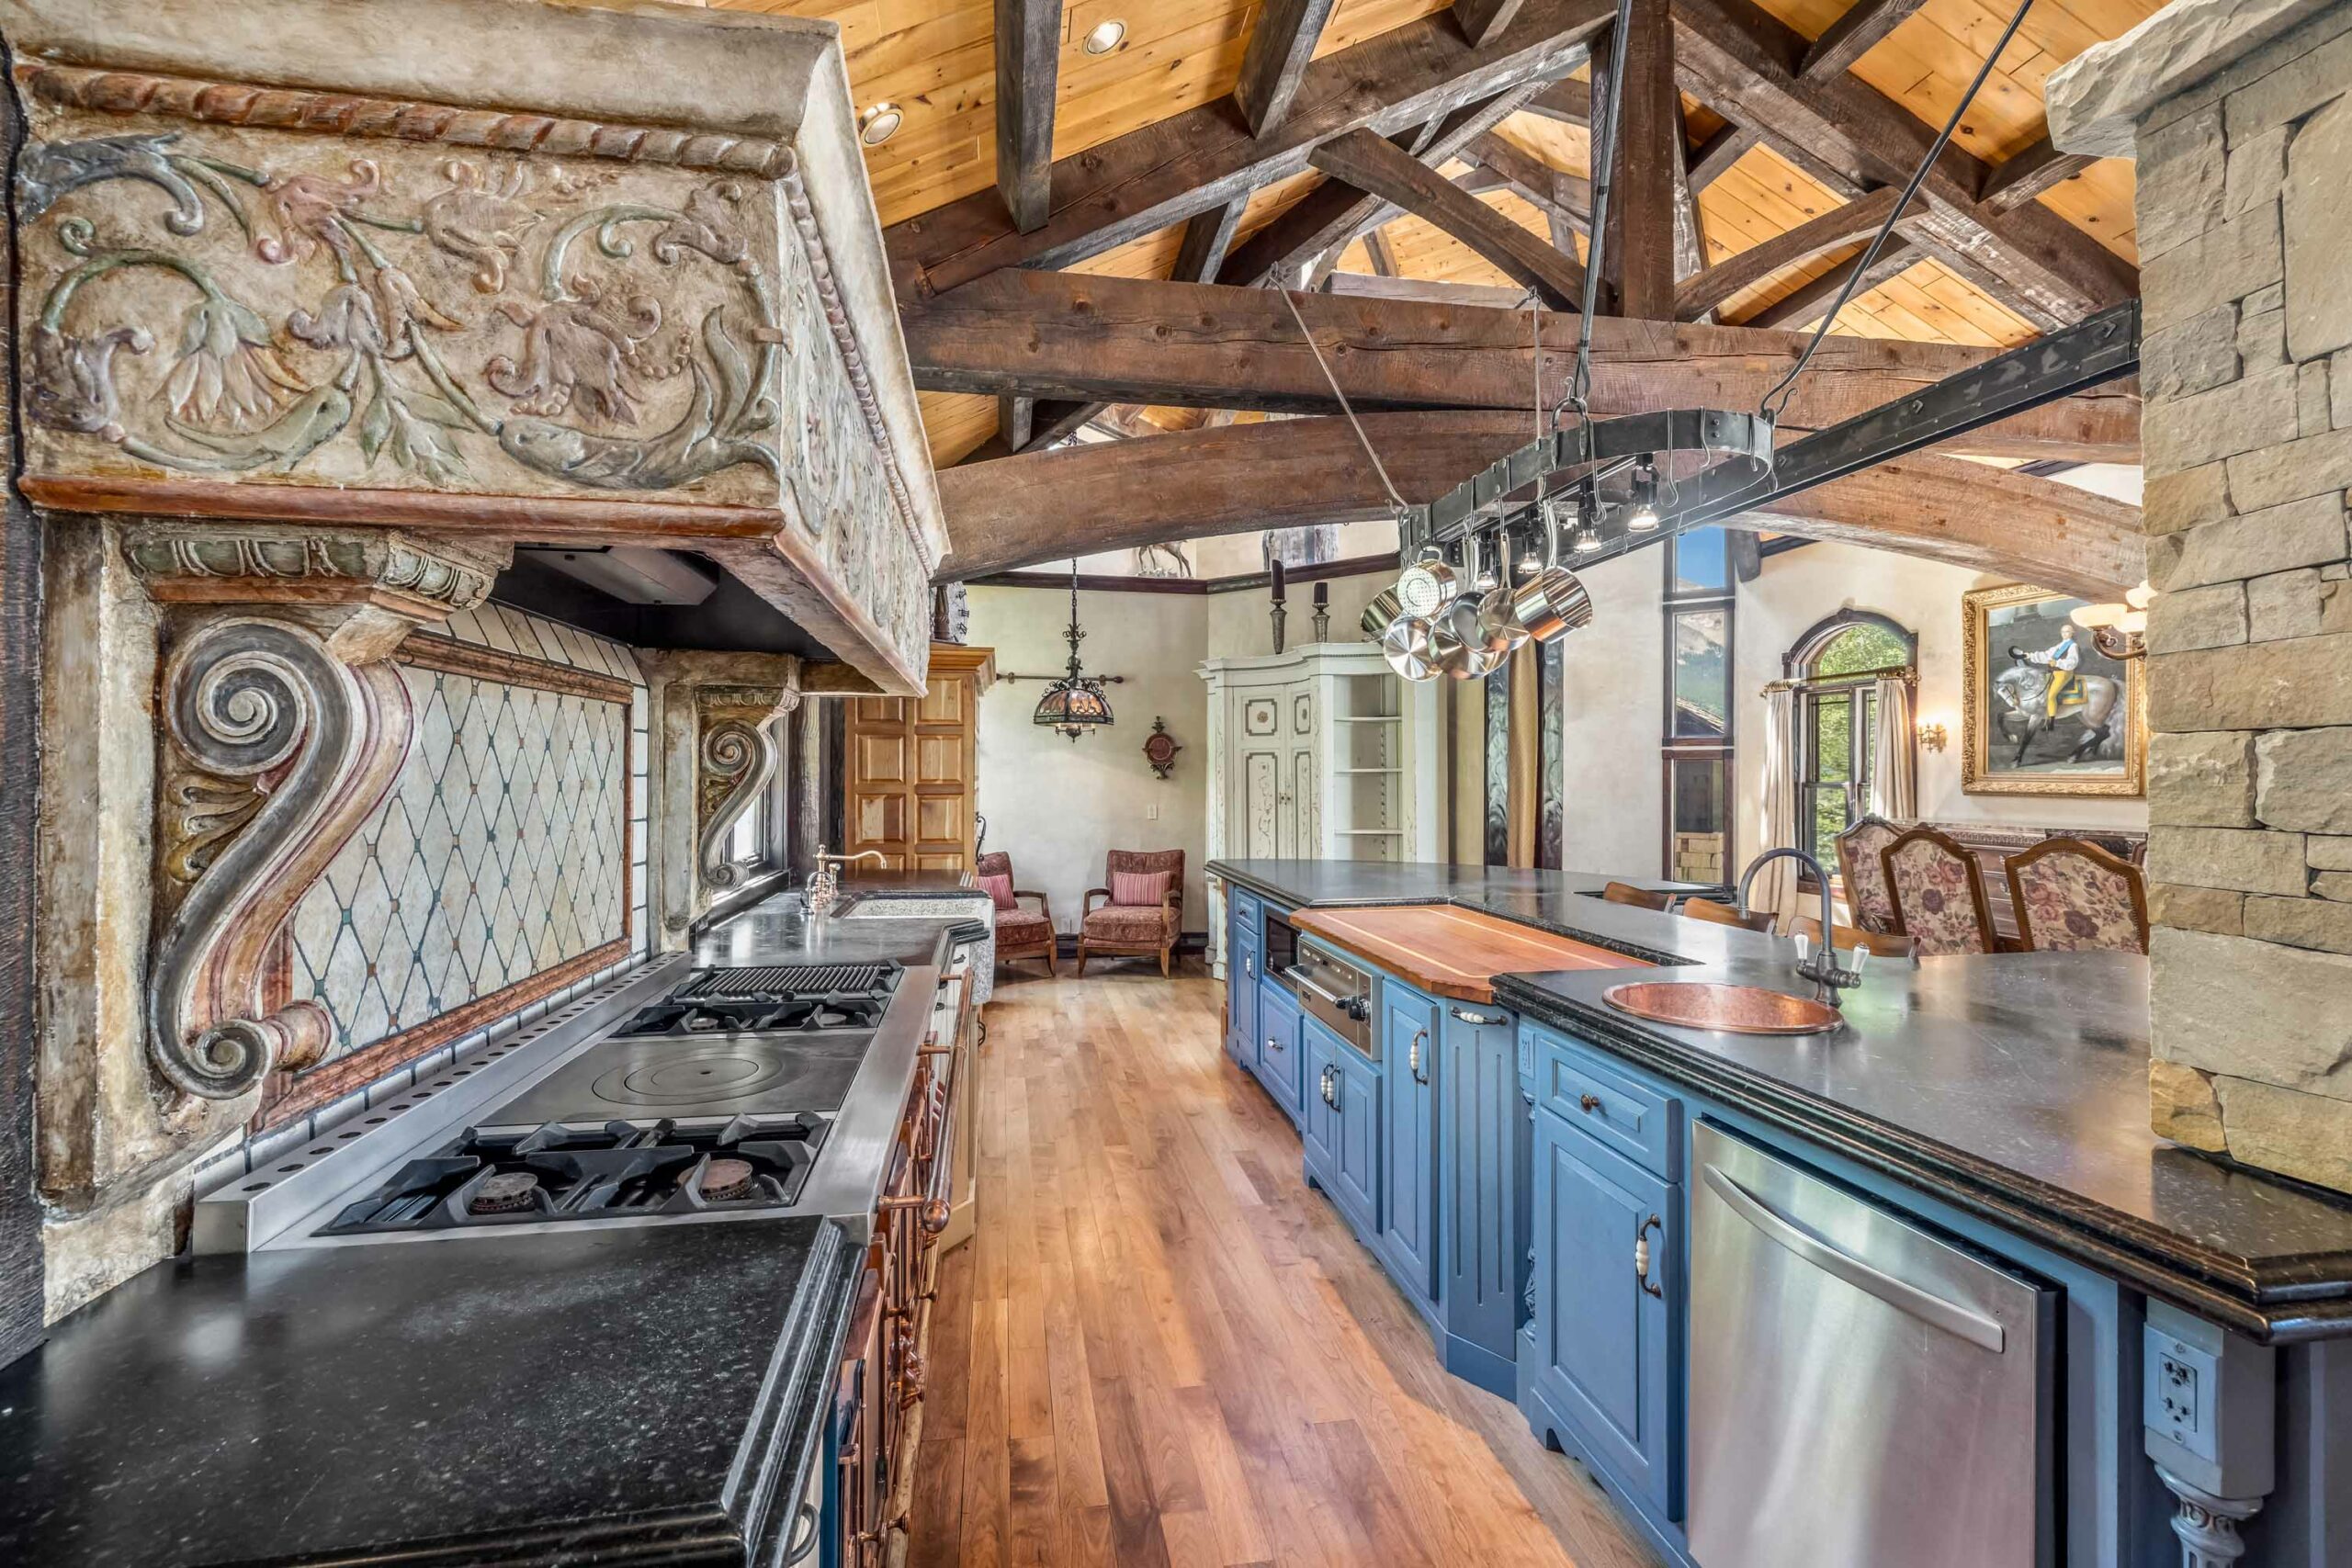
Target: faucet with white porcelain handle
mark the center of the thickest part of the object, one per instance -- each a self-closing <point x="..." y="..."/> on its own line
<point x="825" y="886"/>
<point x="1822" y="970"/>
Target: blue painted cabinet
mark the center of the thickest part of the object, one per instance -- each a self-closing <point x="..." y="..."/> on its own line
<point x="1604" y="1330"/>
<point x="1409" y="1046"/>
<point x="1319" y="1122"/>
<point x="1277" y="1058"/>
<point x="1242" y="963"/>
<point x="1482" y="1217"/>
<point x="1355" y="1149"/>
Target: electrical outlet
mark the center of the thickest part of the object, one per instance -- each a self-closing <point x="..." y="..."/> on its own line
<point x="1151" y="813"/>
<point x="2180" y="1393"/>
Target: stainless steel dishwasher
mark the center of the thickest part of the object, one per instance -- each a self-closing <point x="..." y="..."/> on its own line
<point x="1863" y="1392"/>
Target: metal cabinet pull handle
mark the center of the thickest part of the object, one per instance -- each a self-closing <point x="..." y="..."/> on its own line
<point x="1413" y="1056"/>
<point x="1249" y="967"/>
<point x="1469" y="1017"/>
<point x="1642" y="1254"/>
<point x="1273" y="1044"/>
<point x="1587" y="1103"/>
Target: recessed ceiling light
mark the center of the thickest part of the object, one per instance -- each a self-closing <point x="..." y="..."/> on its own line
<point x="879" y="123"/>
<point x="1106" y="36"/>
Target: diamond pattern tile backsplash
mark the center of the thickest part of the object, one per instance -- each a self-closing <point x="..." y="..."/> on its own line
<point x="502" y="851"/>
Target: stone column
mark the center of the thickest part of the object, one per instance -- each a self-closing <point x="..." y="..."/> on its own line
<point x="2239" y="113"/>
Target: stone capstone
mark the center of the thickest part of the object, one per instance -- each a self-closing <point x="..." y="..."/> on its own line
<point x="2202" y="780"/>
<point x="2097" y="100"/>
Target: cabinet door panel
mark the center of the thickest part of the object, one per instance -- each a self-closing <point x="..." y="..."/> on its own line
<point x="1601" y="1338"/>
<point x="1278" y="1049"/>
<point x="1410" y="1036"/>
<point x="1318" y="1121"/>
<point x="1482" y="1220"/>
<point x="1261" y="804"/>
<point x="1356" y="1149"/>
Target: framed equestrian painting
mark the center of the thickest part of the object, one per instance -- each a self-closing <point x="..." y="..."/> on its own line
<point x="2042" y="712"/>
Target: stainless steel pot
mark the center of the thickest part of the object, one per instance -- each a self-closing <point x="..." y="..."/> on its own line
<point x="1406" y="643"/>
<point x="1379" y="614"/>
<point x="1455" y="648"/>
<point x="1425" y="586"/>
<point x="1553" y="603"/>
<point x="1497" y="630"/>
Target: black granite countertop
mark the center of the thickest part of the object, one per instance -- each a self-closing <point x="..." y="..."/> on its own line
<point x="612" y="1394"/>
<point x="2014" y="1086"/>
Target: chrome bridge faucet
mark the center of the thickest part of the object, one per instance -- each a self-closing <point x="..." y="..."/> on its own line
<point x="1822" y="968"/>
<point x="825" y="884"/>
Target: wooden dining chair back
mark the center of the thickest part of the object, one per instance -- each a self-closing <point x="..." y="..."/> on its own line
<point x="1639" y="897"/>
<point x="1938" y="893"/>
<point x="2070" y="897"/>
<point x="1019" y="932"/>
<point x="1867" y="898"/>
<point x="1725" y="915"/>
<point x="1884" y="944"/>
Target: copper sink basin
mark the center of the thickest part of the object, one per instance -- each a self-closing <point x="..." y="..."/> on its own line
<point x="1734" y="1010"/>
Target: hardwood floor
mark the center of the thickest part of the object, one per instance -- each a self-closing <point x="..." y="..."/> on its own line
<point x="1161" y="1347"/>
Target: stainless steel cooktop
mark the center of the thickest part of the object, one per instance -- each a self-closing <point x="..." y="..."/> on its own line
<point x="700" y="1075"/>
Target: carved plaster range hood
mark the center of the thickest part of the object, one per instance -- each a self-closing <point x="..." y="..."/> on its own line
<point x="487" y="268"/>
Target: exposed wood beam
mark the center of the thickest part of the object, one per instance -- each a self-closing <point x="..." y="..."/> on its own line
<point x="2013" y="182"/>
<point x="1046" y="506"/>
<point x="1279" y="49"/>
<point x="1846" y="225"/>
<point x="1690" y="235"/>
<point x="1641" y="245"/>
<point x="1375" y="246"/>
<point x="1075" y="337"/>
<point x="1049" y="421"/>
<point x="1371" y="164"/>
<point x="1016" y="420"/>
<point x="1207" y="237"/>
<point x="1140" y="183"/>
<point x="1721" y="151"/>
<point x="1028" y="58"/>
<point x="1747" y="555"/>
<point x="1427" y="291"/>
<point x="1853" y="35"/>
<point x="1319" y="225"/>
<point x="1733" y="54"/>
<point x="1481" y="19"/>
<point x="1568" y="101"/>
<point x="1803" y="306"/>
<point x="1553" y="192"/>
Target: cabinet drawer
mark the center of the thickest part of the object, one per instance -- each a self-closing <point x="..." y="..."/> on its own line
<point x="1278" y="1062"/>
<point x="1615" y="1106"/>
<point x="1248" y="916"/>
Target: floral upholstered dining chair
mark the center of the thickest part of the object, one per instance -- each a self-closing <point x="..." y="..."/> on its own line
<point x="1144" y="905"/>
<point x="1865" y="879"/>
<point x="1938" y="893"/>
<point x="1019" y="933"/>
<point x="2070" y="896"/>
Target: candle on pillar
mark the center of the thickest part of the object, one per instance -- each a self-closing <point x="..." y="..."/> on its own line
<point x="1278" y="583"/>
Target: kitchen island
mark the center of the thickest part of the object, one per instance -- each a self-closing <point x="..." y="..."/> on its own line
<point x="675" y="1387"/>
<point x="1997" y="1102"/>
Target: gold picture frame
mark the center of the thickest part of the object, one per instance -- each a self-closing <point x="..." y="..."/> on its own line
<point x="2030" y="760"/>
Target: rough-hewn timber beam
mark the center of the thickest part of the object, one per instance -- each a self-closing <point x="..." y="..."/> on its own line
<point x="1853" y="35"/>
<point x="1428" y="291"/>
<point x="1028" y="58"/>
<point x="1734" y="54"/>
<point x="1129" y="340"/>
<point x="1481" y="19"/>
<point x="1721" y="151"/>
<point x="1641" y="249"/>
<point x="1846" y="225"/>
<point x="1372" y="163"/>
<point x="1280" y="48"/>
<point x="2024" y="175"/>
<point x="1207" y="236"/>
<point x="1114" y="496"/>
<point x="1803" y="306"/>
<point x="1553" y="192"/>
<point x="1140" y="183"/>
<point x="1568" y="101"/>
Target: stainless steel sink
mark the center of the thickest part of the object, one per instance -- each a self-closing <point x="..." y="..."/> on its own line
<point x="1733" y="1009"/>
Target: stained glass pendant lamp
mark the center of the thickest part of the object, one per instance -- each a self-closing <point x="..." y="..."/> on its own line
<point x="1074" y="704"/>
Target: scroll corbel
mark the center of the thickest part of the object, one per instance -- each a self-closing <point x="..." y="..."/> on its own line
<point x="740" y="757"/>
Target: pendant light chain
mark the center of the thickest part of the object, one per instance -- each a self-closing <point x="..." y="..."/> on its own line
<point x="1784" y="388"/>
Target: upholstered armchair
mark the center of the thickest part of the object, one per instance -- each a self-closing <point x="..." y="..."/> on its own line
<point x="1938" y="893"/>
<point x="1865" y="879"/>
<point x="1019" y="933"/>
<point x="1142" y="906"/>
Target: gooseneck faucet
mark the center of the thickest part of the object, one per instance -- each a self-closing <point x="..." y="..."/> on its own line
<point x="824" y="884"/>
<point x="1821" y="967"/>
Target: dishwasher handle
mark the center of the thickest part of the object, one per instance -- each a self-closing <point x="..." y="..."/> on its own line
<point x="1903" y="1296"/>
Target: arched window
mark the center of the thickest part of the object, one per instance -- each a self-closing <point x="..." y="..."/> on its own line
<point x="1836" y="667"/>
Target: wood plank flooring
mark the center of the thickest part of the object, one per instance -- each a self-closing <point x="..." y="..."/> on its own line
<point x="1161" y="1347"/>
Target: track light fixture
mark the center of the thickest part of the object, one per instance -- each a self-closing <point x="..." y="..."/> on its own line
<point x="1644" y="516"/>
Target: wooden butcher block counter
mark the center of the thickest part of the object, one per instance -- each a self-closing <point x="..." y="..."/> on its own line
<point x="1452" y="951"/>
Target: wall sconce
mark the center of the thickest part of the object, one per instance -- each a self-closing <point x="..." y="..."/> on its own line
<point x="1933" y="737"/>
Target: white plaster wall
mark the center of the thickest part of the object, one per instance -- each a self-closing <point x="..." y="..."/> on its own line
<point x="1612" y="706"/>
<point x="1240" y="620"/>
<point x="1055" y="806"/>
<point x="1802" y="587"/>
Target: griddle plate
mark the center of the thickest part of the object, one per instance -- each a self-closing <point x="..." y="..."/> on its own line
<point x="710" y="1075"/>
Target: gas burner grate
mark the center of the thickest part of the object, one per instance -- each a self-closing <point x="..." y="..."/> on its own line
<point x="793" y="980"/>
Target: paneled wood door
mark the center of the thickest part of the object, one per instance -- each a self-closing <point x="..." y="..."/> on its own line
<point x="909" y="772"/>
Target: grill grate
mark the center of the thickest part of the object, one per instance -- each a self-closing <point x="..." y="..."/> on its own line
<point x="793" y="980"/>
